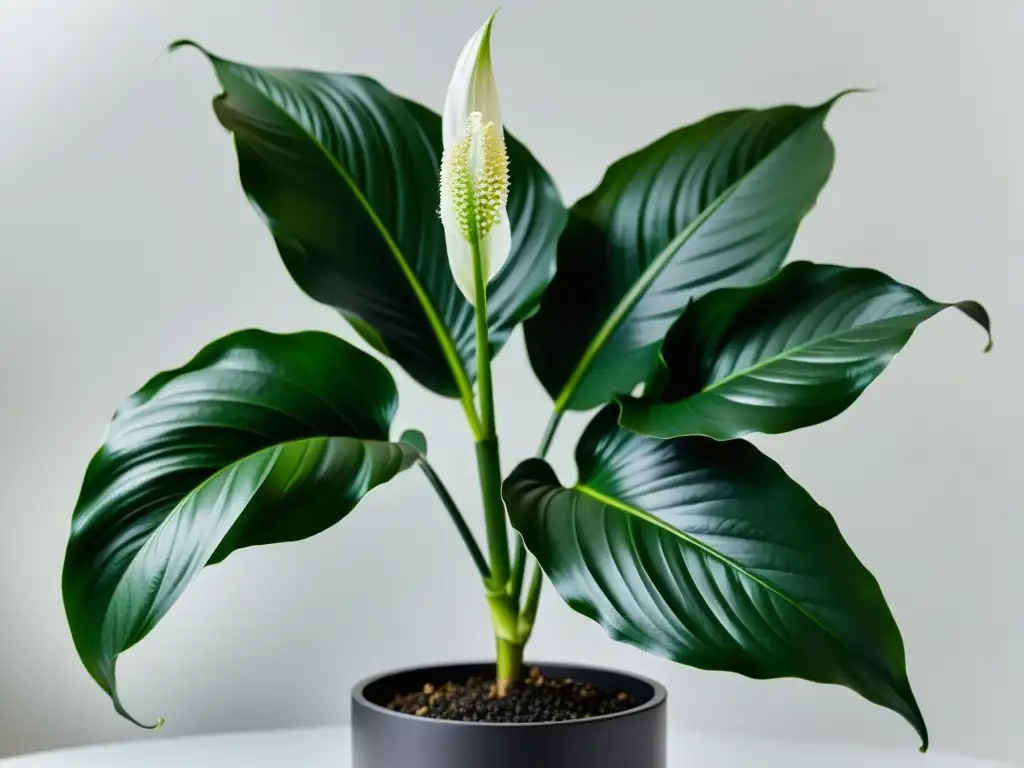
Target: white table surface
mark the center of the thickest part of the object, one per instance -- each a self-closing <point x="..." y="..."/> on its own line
<point x="329" y="748"/>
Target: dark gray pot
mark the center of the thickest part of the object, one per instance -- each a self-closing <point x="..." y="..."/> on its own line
<point x="385" y="739"/>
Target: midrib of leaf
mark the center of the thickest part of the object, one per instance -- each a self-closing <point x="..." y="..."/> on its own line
<point x="628" y="509"/>
<point x="111" y="684"/>
<point x="278" y="448"/>
<point x="230" y="467"/>
<point x="640" y="287"/>
<point x="440" y="331"/>
<point x="803" y="347"/>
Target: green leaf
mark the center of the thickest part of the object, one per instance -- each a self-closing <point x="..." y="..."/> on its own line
<point x="791" y="352"/>
<point x="416" y="439"/>
<point x="345" y="175"/>
<point x="260" y="439"/>
<point x="710" y="205"/>
<point x="708" y="554"/>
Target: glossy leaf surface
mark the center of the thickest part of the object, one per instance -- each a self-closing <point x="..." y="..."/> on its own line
<point x="259" y="439"/>
<point x="708" y="554"/>
<point x="791" y="352"/>
<point x="710" y="205"/>
<point x="416" y="439"/>
<point x="345" y="175"/>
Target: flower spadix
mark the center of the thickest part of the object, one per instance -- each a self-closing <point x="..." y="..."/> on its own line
<point x="474" y="169"/>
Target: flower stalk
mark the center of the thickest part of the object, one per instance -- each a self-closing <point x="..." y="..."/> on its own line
<point x="478" y="237"/>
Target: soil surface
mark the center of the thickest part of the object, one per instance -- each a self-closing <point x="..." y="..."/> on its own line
<point x="537" y="699"/>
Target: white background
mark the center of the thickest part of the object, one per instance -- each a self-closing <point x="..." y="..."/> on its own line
<point x="127" y="245"/>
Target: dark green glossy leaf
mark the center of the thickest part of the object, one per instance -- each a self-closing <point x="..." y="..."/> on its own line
<point x="260" y="439"/>
<point x="711" y="205"/>
<point x="416" y="439"/>
<point x="791" y="352"/>
<point x="345" y="174"/>
<point x="708" y="554"/>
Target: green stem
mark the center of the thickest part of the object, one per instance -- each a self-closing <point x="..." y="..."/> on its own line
<point x="510" y="664"/>
<point x="485" y="394"/>
<point x="549" y="433"/>
<point x="515" y="582"/>
<point x="487" y="458"/>
<point x="488" y="466"/>
<point x="528" y="616"/>
<point x="504" y="611"/>
<point x="457" y="518"/>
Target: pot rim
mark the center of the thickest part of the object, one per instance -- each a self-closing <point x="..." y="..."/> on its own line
<point x="658" y="699"/>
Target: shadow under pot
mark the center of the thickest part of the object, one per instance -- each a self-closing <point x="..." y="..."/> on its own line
<point x="385" y="738"/>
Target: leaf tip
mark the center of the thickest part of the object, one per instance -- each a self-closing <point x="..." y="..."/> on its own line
<point x="119" y="708"/>
<point x="182" y="42"/>
<point x="148" y="726"/>
<point x="844" y="93"/>
<point x="977" y="312"/>
<point x="916" y="720"/>
<point x="923" y="732"/>
<point x="416" y="439"/>
<point x="185" y="42"/>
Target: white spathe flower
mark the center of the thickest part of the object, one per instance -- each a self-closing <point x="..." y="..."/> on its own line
<point x="474" y="167"/>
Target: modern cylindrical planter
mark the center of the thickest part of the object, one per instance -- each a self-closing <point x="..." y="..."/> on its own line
<point x="382" y="738"/>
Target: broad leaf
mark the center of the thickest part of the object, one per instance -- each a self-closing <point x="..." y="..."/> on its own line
<point x="708" y="554"/>
<point x="710" y="205"/>
<point x="791" y="352"/>
<point x="259" y="439"/>
<point x="345" y="174"/>
<point x="416" y="439"/>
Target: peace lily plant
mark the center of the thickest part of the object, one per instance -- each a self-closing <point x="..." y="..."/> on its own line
<point x="659" y="300"/>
